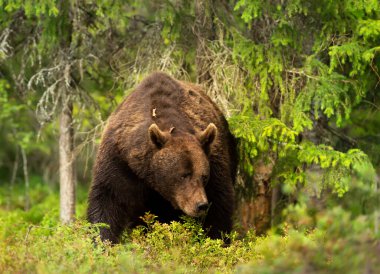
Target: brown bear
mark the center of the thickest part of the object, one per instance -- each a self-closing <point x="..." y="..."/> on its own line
<point x="166" y="150"/>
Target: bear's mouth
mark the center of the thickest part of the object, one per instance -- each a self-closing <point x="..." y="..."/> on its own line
<point x="191" y="208"/>
<point x="184" y="209"/>
<point x="192" y="213"/>
<point x="191" y="199"/>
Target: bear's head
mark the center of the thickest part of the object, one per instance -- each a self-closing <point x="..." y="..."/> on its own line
<point x="180" y="167"/>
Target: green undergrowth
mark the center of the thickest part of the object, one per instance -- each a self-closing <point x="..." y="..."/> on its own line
<point x="35" y="242"/>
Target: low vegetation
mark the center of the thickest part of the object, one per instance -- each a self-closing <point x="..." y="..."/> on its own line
<point x="35" y="242"/>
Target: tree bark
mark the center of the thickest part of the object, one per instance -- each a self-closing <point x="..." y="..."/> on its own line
<point x="13" y="179"/>
<point x="204" y="31"/>
<point x="377" y="212"/>
<point x="26" y="177"/>
<point x="66" y="163"/>
<point x="257" y="212"/>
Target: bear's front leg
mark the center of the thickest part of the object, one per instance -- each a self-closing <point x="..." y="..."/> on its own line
<point x="104" y="208"/>
<point x="116" y="197"/>
<point x="219" y="216"/>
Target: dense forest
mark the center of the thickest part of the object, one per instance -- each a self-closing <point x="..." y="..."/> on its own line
<point x="299" y="84"/>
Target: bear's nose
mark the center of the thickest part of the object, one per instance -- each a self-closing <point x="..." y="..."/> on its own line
<point x="202" y="207"/>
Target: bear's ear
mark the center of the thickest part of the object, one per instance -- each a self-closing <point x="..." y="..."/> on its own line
<point x="207" y="136"/>
<point x="158" y="137"/>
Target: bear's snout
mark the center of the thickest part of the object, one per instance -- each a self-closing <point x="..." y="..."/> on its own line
<point x="192" y="202"/>
<point x="202" y="207"/>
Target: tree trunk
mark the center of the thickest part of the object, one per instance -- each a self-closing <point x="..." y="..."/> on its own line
<point x="13" y="179"/>
<point x="377" y="212"/>
<point x="204" y="31"/>
<point x="258" y="212"/>
<point x="66" y="163"/>
<point x="26" y="177"/>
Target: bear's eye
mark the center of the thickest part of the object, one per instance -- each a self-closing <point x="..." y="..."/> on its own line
<point x="204" y="178"/>
<point x="185" y="176"/>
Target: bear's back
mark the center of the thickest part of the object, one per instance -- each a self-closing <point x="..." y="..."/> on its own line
<point x="169" y="103"/>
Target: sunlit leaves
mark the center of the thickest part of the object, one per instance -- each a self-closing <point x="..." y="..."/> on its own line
<point x="289" y="97"/>
<point x="31" y="8"/>
<point x="252" y="9"/>
<point x="271" y="135"/>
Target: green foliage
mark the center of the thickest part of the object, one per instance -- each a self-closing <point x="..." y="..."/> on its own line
<point x="301" y="73"/>
<point x="324" y="250"/>
<point x="296" y="71"/>
<point x="35" y="241"/>
<point x="31" y="9"/>
<point x="8" y="108"/>
<point x="16" y="132"/>
<point x="273" y="135"/>
<point x="252" y="9"/>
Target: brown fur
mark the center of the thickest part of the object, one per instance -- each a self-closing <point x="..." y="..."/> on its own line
<point x="166" y="149"/>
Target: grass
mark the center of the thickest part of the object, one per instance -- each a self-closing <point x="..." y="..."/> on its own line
<point x="35" y="242"/>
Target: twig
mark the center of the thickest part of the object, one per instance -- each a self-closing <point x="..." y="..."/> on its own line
<point x="5" y="48"/>
<point x="372" y="104"/>
<point x="27" y="233"/>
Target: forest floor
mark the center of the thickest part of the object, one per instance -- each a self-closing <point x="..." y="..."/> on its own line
<point x="34" y="241"/>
